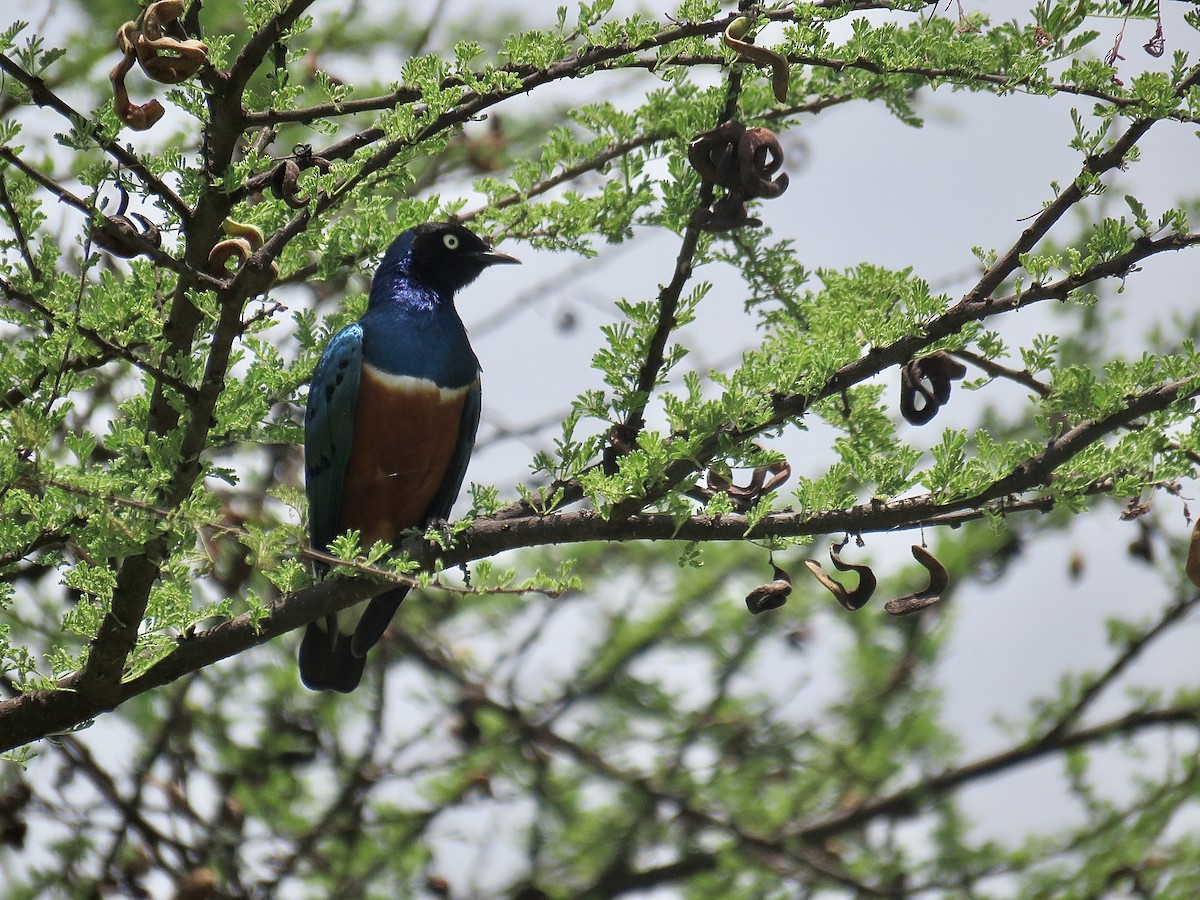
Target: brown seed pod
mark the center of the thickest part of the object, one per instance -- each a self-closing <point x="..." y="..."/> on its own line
<point x="121" y="237"/>
<point x="169" y="60"/>
<point x="304" y="155"/>
<point x="760" y="56"/>
<point x="714" y="154"/>
<point x="939" y="369"/>
<point x="745" y="497"/>
<point x="243" y="242"/>
<point x="158" y="16"/>
<point x="759" y="157"/>
<point x="283" y="182"/>
<point x="164" y="51"/>
<point x="224" y="251"/>
<point x="939" y="580"/>
<point x="621" y="439"/>
<point x="852" y="600"/>
<point x="139" y="118"/>
<point x="285" y="176"/>
<point x="771" y="595"/>
<point x="742" y="160"/>
<point x="727" y="214"/>
<point x="1192" y="566"/>
<point x="166" y="54"/>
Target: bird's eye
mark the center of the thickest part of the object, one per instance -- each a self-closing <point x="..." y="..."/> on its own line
<point x="451" y="241"/>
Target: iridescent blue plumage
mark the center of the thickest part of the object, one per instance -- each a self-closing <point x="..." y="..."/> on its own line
<point x="393" y="408"/>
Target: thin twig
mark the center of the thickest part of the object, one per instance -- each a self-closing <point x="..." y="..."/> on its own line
<point x="44" y="97"/>
<point x="18" y="229"/>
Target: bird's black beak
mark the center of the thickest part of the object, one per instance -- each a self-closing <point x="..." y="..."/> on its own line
<point x="491" y="257"/>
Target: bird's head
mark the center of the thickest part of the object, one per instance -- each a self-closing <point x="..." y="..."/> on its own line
<point x="443" y="256"/>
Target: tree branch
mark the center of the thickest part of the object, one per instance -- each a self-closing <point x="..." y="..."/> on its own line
<point x="909" y="801"/>
<point x="34" y="714"/>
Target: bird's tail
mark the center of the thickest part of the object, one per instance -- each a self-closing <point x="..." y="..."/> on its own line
<point x="326" y="663"/>
<point x="332" y="659"/>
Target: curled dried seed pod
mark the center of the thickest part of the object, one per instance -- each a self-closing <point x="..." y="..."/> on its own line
<point x="1192" y="566"/>
<point x="939" y="580"/>
<point x="258" y="281"/>
<point x="716" y="483"/>
<point x="714" y="154"/>
<point x="771" y="595"/>
<point x="621" y="440"/>
<point x="838" y="591"/>
<point x="857" y="598"/>
<point x="127" y="36"/>
<point x="285" y="176"/>
<point x="747" y="496"/>
<point x="158" y="16"/>
<point x="939" y="369"/>
<point x="851" y="600"/>
<point x="283" y="183"/>
<point x="305" y="156"/>
<point x="759" y="157"/>
<point x="120" y="236"/>
<point x="1157" y="45"/>
<point x="727" y="214"/>
<point x="909" y="604"/>
<point x="780" y="472"/>
<point x="224" y="251"/>
<point x="163" y="50"/>
<point x="244" y="241"/>
<point x="139" y="118"/>
<point x="741" y="160"/>
<point x="169" y="60"/>
<point x="738" y="29"/>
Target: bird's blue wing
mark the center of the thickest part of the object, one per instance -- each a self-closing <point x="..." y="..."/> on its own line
<point x="329" y="432"/>
<point x="325" y="659"/>
<point x="379" y="611"/>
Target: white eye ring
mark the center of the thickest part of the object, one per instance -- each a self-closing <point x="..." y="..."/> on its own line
<point x="451" y="241"/>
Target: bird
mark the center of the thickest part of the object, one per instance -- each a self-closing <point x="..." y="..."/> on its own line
<point x="389" y="426"/>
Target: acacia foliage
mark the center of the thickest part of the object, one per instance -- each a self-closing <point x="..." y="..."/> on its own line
<point x="151" y="507"/>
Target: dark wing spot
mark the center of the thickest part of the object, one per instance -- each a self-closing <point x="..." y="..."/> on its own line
<point x="319" y="464"/>
<point x="329" y="390"/>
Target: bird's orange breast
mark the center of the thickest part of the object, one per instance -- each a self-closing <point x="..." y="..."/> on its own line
<point x="405" y="432"/>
